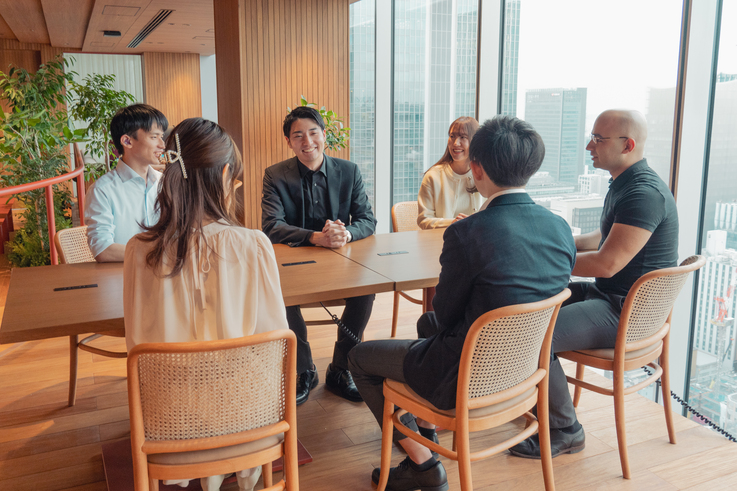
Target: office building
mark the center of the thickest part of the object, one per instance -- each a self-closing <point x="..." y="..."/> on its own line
<point x="559" y="115"/>
<point x="511" y="57"/>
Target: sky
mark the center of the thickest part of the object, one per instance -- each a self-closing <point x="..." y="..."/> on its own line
<point x="614" y="49"/>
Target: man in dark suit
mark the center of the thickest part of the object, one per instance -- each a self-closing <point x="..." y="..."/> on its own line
<point x="513" y="251"/>
<point x="314" y="199"/>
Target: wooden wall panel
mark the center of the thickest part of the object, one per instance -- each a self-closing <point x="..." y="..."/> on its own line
<point x="171" y="83"/>
<point x="287" y="49"/>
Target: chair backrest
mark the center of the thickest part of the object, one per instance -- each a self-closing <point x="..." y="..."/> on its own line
<point x="404" y="216"/>
<point x="71" y="244"/>
<point x="191" y="391"/>
<point x="506" y="346"/>
<point x="650" y="300"/>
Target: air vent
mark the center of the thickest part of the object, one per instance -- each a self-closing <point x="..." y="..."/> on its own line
<point x="111" y="34"/>
<point x="155" y="22"/>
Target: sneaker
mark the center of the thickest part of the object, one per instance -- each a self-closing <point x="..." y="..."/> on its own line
<point x="405" y="478"/>
<point x="560" y="443"/>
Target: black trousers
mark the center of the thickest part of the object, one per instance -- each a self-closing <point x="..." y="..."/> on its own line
<point x="587" y="320"/>
<point x="355" y="317"/>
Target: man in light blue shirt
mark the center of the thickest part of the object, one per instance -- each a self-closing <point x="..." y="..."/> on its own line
<point x="122" y="201"/>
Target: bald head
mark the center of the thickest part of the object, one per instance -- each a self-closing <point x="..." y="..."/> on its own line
<point x="627" y="123"/>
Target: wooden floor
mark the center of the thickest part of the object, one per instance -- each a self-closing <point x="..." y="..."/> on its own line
<point x="45" y="445"/>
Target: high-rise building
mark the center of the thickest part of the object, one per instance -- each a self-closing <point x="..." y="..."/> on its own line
<point x="511" y="57"/>
<point x="362" y="105"/>
<point x="559" y="116"/>
<point x="583" y="213"/>
<point x="434" y="83"/>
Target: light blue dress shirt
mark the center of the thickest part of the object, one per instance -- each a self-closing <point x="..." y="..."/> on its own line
<point x="117" y="203"/>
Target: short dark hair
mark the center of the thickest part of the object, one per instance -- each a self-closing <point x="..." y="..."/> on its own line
<point x="302" y="112"/>
<point x="508" y="149"/>
<point x="128" y="120"/>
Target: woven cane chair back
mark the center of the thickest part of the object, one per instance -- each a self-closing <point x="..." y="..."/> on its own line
<point x="404" y="216"/>
<point x="507" y="352"/>
<point x="71" y="244"/>
<point x="653" y="297"/>
<point x="212" y="393"/>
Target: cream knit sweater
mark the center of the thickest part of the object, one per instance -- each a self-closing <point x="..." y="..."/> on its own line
<point x="443" y="196"/>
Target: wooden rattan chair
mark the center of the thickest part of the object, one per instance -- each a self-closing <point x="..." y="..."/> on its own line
<point x="643" y="336"/>
<point x="214" y="407"/>
<point x="71" y="244"/>
<point x="503" y="373"/>
<point x="404" y="219"/>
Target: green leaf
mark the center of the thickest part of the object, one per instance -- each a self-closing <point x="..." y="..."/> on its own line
<point x="68" y="133"/>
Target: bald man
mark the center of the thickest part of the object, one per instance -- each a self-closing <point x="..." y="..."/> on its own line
<point x="638" y="234"/>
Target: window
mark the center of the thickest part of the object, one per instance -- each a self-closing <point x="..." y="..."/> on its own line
<point x="434" y="83"/>
<point x="363" y="105"/>
<point x="584" y="66"/>
<point x="713" y="378"/>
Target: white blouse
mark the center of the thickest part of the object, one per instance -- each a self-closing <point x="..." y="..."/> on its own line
<point x="228" y="288"/>
<point x="443" y="196"/>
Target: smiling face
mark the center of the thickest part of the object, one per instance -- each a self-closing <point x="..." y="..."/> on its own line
<point x="458" y="143"/>
<point x="307" y="140"/>
<point x="144" y="148"/>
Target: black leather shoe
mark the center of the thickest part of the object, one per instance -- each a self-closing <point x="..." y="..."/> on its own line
<point x="305" y="383"/>
<point x="341" y="382"/>
<point x="560" y="443"/>
<point x="404" y="478"/>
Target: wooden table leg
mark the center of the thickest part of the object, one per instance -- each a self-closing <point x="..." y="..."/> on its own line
<point x="427" y="295"/>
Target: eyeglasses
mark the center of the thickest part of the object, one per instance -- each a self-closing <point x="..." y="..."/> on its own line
<point x="595" y="139"/>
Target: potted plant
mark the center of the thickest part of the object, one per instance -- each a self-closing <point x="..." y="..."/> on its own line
<point x="336" y="135"/>
<point x="95" y="102"/>
<point x="34" y="138"/>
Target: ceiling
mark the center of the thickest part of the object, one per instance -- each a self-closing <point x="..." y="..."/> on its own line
<point x="189" y="28"/>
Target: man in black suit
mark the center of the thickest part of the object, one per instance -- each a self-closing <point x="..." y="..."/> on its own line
<point x="513" y="251"/>
<point x="314" y="199"/>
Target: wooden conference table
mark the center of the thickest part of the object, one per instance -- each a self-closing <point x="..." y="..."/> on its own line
<point x="46" y="301"/>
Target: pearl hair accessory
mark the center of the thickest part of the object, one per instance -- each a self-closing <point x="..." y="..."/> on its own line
<point x="170" y="156"/>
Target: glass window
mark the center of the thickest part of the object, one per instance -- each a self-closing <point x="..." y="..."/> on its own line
<point x="713" y="379"/>
<point x="363" y="106"/>
<point x="434" y="83"/>
<point x="567" y="61"/>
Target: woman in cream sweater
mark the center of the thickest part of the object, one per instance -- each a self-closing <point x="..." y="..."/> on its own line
<point x="448" y="193"/>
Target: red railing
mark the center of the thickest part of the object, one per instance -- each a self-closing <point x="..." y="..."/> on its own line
<point x="77" y="173"/>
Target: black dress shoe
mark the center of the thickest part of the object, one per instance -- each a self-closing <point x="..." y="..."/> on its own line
<point x="341" y="382"/>
<point x="404" y="478"/>
<point x="560" y="443"/>
<point x="305" y="383"/>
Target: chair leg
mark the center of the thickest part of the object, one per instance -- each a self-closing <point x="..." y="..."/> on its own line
<point x="386" y="445"/>
<point x="268" y="473"/>
<point x="73" y="353"/>
<point x="577" y="390"/>
<point x="464" y="459"/>
<point x="619" y="421"/>
<point x="665" y="384"/>
<point x="543" y="430"/>
<point x="154" y="485"/>
<point x="395" y="314"/>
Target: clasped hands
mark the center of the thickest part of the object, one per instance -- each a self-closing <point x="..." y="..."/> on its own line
<point x="333" y="235"/>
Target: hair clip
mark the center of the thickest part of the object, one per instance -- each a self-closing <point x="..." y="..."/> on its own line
<point x="170" y="156"/>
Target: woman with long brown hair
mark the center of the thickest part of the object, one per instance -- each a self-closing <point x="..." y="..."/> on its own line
<point x="447" y="192"/>
<point x="197" y="274"/>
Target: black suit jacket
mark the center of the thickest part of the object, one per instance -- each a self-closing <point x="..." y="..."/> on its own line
<point x="513" y="252"/>
<point x="282" y="201"/>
